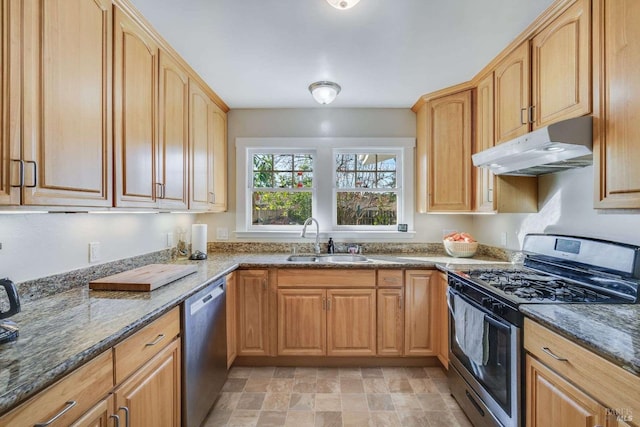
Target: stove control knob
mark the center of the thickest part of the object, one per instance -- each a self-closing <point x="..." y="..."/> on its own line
<point x="486" y="302"/>
<point x="497" y="308"/>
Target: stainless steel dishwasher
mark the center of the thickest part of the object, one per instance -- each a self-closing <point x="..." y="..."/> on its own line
<point x="204" y="352"/>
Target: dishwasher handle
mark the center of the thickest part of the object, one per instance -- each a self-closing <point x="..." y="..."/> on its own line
<point x="209" y="298"/>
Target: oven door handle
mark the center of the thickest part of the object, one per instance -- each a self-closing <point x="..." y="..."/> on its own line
<point x="487" y="317"/>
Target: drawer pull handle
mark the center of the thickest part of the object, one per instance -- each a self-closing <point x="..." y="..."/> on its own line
<point x="156" y="341"/>
<point x="69" y="404"/>
<point x="389" y="279"/>
<point x="550" y="353"/>
<point x="117" y="420"/>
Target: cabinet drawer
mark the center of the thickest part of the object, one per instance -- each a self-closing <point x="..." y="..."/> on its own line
<point x="144" y="344"/>
<point x="71" y="396"/>
<point x="390" y="278"/>
<point x="338" y="278"/>
<point x="614" y="387"/>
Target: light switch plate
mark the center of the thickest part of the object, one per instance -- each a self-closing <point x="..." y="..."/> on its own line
<point x="503" y="238"/>
<point x="222" y="233"/>
<point x="94" y="251"/>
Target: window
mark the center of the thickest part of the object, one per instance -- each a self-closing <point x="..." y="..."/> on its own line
<point x="366" y="189"/>
<point x="350" y="185"/>
<point x="282" y="188"/>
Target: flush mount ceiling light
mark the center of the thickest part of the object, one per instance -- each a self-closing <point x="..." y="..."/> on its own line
<point x="324" y="92"/>
<point x="343" y="4"/>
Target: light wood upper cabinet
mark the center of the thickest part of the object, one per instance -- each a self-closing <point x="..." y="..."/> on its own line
<point x="201" y="140"/>
<point x="561" y="62"/>
<point x="351" y="320"/>
<point x="302" y="322"/>
<point x="485" y="138"/>
<point x="253" y="312"/>
<point x="152" y="394"/>
<point x="390" y="322"/>
<point x="616" y="61"/>
<point x="58" y="103"/>
<point x="173" y="141"/>
<point x="448" y="142"/>
<point x="218" y="201"/>
<point x="513" y="94"/>
<point x="553" y="401"/>
<point x="419" y="331"/>
<point x="135" y="113"/>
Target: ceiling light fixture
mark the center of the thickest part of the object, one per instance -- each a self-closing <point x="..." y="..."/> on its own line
<point x="343" y="4"/>
<point x="324" y="92"/>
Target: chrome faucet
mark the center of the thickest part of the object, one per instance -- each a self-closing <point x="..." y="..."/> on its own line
<point x="304" y="232"/>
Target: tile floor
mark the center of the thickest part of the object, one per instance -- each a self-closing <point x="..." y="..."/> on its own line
<point x="299" y="397"/>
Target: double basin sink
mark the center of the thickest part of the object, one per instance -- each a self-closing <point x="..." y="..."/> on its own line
<point x="329" y="258"/>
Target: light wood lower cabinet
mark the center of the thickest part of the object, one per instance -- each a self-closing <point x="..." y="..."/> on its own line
<point x="390" y="322"/>
<point x="441" y="309"/>
<point x="351" y="322"/>
<point x="553" y="401"/>
<point x="419" y="336"/>
<point x="232" y="319"/>
<point x="152" y="394"/>
<point x="302" y="322"/>
<point x="253" y="312"/>
<point x="101" y="415"/>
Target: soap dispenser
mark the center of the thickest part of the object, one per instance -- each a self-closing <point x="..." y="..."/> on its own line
<point x="330" y="247"/>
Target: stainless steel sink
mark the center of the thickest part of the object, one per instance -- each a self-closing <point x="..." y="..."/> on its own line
<point x="302" y="258"/>
<point x="332" y="258"/>
<point x="346" y="258"/>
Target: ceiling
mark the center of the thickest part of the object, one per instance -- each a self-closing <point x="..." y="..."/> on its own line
<point x="384" y="53"/>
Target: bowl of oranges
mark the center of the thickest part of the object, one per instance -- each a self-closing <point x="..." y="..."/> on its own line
<point x="460" y="245"/>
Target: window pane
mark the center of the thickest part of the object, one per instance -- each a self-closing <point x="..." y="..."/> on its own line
<point x="263" y="162"/>
<point x="303" y="162"/>
<point x="283" y="162"/>
<point x="345" y="179"/>
<point x="283" y="179"/>
<point x="280" y="208"/>
<point x="263" y="179"/>
<point x="363" y="208"/>
<point x="366" y="180"/>
<point x="366" y="162"/>
<point x="386" y="180"/>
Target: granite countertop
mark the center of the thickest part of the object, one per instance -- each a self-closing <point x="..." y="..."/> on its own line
<point x="61" y="332"/>
<point x="609" y="330"/>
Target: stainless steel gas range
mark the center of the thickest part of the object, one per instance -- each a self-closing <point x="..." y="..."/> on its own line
<point x="485" y="342"/>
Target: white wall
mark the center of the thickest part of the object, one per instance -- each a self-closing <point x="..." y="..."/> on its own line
<point x="565" y="205"/>
<point x="38" y="245"/>
<point x="325" y="122"/>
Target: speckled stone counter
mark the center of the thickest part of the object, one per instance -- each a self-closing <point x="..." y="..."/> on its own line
<point x="60" y="332"/>
<point x="609" y="330"/>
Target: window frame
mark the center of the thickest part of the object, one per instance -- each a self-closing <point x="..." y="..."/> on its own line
<point x="323" y="150"/>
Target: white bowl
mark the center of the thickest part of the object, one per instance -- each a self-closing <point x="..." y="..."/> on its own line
<point x="460" y="249"/>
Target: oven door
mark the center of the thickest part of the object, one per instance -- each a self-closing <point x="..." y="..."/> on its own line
<point x="495" y="377"/>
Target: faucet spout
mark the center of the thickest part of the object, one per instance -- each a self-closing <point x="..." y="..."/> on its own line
<point x="303" y="234"/>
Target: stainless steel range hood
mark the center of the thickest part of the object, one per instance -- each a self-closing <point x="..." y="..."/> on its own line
<point x="559" y="146"/>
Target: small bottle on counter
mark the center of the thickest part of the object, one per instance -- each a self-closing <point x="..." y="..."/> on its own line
<point x="330" y="247"/>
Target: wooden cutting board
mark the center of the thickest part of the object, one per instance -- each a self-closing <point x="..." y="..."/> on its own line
<point x="145" y="278"/>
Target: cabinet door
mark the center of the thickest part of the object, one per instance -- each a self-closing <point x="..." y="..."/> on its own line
<point x="351" y="322"/>
<point x="66" y="111"/>
<point x="99" y="416"/>
<point x="302" y="322"/>
<point x="561" y="67"/>
<point x="390" y="322"/>
<point x="135" y="88"/>
<point x="219" y="152"/>
<point x="485" y="180"/>
<point x="152" y="394"/>
<point x="552" y="401"/>
<point x="253" y="312"/>
<point x="419" y="336"/>
<point x="232" y="323"/>
<point x="513" y="94"/>
<point x="9" y="95"/>
<point x="449" y="152"/>
<point x="616" y="127"/>
<point x="442" y="324"/>
<point x="201" y="140"/>
<point x="173" y="146"/>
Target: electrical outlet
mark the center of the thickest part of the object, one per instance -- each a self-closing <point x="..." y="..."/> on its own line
<point x="170" y="242"/>
<point x="94" y="251"/>
<point x="222" y="233"/>
<point x="503" y="238"/>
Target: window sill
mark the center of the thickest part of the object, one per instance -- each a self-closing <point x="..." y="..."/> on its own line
<point x="351" y="235"/>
